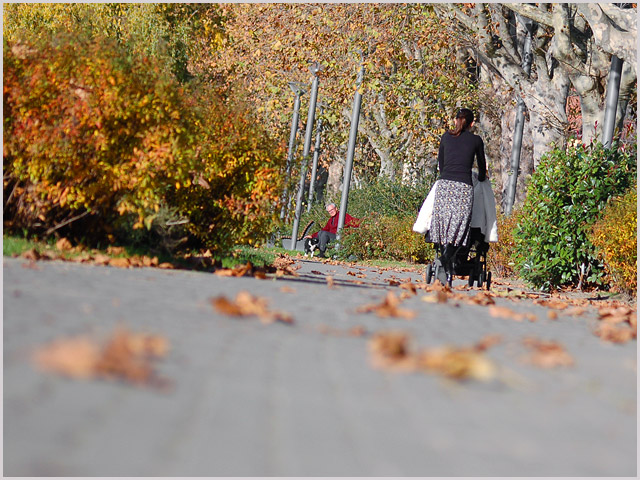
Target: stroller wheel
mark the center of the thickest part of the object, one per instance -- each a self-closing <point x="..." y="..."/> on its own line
<point x="471" y="279"/>
<point x="488" y="280"/>
<point x="428" y="274"/>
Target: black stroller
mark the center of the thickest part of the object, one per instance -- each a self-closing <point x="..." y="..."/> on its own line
<point x="469" y="260"/>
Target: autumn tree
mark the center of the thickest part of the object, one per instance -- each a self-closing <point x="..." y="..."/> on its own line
<point x="572" y="46"/>
<point x="100" y="132"/>
<point x="413" y="82"/>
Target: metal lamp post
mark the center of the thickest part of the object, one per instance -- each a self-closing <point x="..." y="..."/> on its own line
<point x="355" y="120"/>
<point x="314" y="164"/>
<point x="299" y="90"/>
<point x="516" y="146"/>
<point x="613" y="92"/>
<point x="314" y="68"/>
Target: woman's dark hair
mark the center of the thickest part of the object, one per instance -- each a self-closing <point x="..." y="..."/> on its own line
<point x="464" y="119"/>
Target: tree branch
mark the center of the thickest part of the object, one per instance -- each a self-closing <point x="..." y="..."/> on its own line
<point x="536" y="14"/>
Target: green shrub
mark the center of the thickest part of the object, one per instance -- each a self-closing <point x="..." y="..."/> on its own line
<point x="387" y="198"/>
<point x="615" y="237"/>
<point x="565" y="195"/>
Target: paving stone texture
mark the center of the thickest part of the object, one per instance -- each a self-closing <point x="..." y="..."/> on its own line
<point x="255" y="399"/>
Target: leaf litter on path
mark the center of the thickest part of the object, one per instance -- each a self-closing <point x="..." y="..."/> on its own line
<point x="247" y="305"/>
<point x="124" y="356"/>
<point x="546" y="353"/>
<point x="388" y="308"/>
<point x="391" y="350"/>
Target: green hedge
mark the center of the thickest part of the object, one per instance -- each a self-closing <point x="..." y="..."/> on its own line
<point x="564" y="198"/>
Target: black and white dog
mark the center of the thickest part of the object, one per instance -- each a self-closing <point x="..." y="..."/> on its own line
<point x="310" y="246"/>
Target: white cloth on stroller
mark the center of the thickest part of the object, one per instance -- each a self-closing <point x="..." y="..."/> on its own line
<point x="424" y="216"/>
<point x="483" y="215"/>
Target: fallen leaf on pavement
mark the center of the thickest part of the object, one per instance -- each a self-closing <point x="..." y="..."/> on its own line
<point x="546" y="353"/>
<point x="246" y="304"/>
<point x="126" y="356"/>
<point x="436" y="297"/>
<point x="505" y="312"/>
<point x="618" y="314"/>
<point x="614" y="334"/>
<point x="388" y="308"/>
<point x="483" y="298"/>
<point x="237" y="271"/>
<point x="330" y="282"/>
<point x="552" y="303"/>
<point x="73" y="357"/>
<point x="391" y="350"/>
<point x="456" y="362"/>
<point x="411" y="287"/>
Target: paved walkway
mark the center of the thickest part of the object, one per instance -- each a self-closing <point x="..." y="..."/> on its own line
<point x="302" y="399"/>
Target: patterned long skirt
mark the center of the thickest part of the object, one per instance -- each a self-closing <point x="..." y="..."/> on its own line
<point x="451" y="217"/>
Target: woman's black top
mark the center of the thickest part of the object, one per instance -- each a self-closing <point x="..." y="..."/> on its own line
<point x="456" y="155"/>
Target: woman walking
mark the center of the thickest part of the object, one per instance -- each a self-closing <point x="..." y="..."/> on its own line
<point x="454" y="193"/>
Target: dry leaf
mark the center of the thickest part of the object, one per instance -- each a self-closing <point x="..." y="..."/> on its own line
<point x="101" y="259"/>
<point x="409" y="286"/>
<point x="504" y="312"/>
<point x="487" y="342"/>
<point x="391" y="350"/>
<point x="126" y="356"/>
<point x="121" y="262"/>
<point x="483" y="298"/>
<point x="246" y="304"/>
<point x="388" y="308"/>
<point x="552" y="303"/>
<point x="457" y="363"/>
<point x="31" y="254"/>
<point x="63" y="244"/>
<point x="237" y="271"/>
<point x="286" y="289"/>
<point x="439" y="296"/>
<point x="115" y="250"/>
<point x="74" y="357"/>
<point x="330" y="282"/>
<point x="546" y="354"/>
<point x="617" y="314"/>
<point x="390" y="345"/>
<point x="611" y="333"/>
